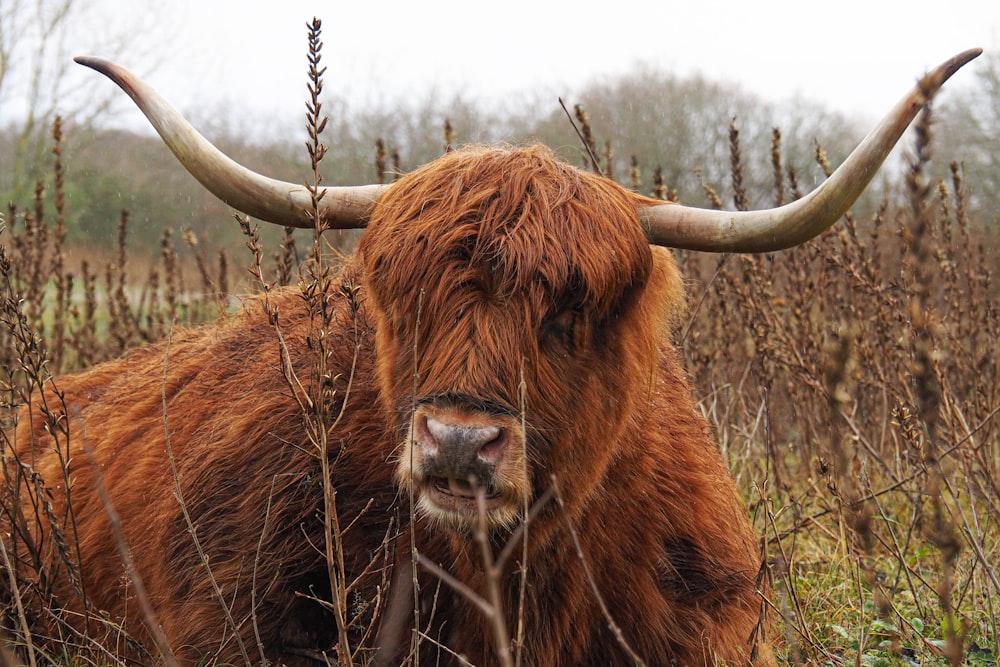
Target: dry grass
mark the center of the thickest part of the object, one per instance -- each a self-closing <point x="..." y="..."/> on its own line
<point x="853" y="382"/>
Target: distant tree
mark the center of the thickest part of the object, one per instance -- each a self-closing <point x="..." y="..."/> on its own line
<point x="36" y="81"/>
<point x="968" y="132"/>
<point x="681" y="126"/>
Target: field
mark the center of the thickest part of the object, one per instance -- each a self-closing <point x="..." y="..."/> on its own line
<point x="854" y="384"/>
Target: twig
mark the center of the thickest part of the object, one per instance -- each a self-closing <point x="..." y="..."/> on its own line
<point x="595" y="165"/>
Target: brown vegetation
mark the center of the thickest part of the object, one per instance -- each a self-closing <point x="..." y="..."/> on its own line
<point x="853" y="383"/>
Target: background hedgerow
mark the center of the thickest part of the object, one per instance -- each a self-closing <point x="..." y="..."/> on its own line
<point x="853" y="383"/>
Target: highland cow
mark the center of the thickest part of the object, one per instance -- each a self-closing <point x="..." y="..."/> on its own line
<point x="500" y="344"/>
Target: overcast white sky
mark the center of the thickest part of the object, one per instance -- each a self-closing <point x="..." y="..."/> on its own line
<point x="857" y="56"/>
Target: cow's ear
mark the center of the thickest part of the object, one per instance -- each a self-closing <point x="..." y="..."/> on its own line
<point x="664" y="300"/>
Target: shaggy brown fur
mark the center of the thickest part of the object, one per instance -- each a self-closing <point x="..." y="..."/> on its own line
<point x="519" y="269"/>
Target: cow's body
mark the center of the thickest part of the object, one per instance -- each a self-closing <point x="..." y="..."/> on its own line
<point x="249" y="477"/>
<point x="517" y="287"/>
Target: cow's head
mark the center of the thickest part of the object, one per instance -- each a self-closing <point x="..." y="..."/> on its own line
<point x="510" y="296"/>
<point x="517" y="299"/>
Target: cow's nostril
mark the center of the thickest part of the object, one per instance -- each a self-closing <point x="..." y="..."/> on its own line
<point x="422" y="436"/>
<point x="491" y="451"/>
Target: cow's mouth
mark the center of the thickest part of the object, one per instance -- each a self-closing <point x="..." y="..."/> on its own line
<point x="461" y="496"/>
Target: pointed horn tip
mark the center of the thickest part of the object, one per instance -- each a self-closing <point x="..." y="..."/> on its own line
<point x="937" y="76"/>
<point x="118" y="74"/>
<point x="92" y="62"/>
<point x="106" y="67"/>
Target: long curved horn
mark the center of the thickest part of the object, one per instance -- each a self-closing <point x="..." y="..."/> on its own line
<point x="786" y="226"/>
<point x="258" y="196"/>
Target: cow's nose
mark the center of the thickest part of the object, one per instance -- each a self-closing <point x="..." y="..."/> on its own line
<point x="459" y="450"/>
<point x="482" y="442"/>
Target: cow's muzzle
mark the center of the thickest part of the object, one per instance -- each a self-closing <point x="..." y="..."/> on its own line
<point x="465" y="466"/>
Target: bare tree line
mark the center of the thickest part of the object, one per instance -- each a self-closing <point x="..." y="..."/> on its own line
<point x="664" y="133"/>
